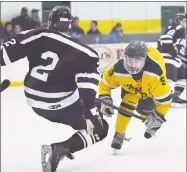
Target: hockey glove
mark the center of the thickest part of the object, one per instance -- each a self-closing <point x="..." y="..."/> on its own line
<point x="106" y="110"/>
<point x="95" y="123"/>
<point x="89" y="127"/>
<point x="153" y="123"/>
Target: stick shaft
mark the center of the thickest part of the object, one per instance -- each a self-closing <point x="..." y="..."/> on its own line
<point x="122" y="111"/>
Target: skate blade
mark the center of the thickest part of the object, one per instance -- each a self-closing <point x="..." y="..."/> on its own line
<point x="177" y="105"/>
<point x="46" y="154"/>
<point x="115" y="151"/>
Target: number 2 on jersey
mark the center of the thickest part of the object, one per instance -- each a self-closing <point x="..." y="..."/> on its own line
<point x="44" y="76"/>
<point x="171" y="32"/>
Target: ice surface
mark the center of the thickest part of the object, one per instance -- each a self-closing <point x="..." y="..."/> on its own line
<point x="23" y="133"/>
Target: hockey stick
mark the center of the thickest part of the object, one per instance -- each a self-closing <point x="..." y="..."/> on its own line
<point x="122" y="111"/>
<point x="5" y="84"/>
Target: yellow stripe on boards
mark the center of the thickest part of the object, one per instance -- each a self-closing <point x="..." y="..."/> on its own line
<point x="3" y="22"/>
<point x="19" y="83"/>
<point x="129" y="26"/>
<point x="16" y="83"/>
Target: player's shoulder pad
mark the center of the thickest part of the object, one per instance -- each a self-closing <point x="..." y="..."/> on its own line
<point x="35" y="34"/>
<point x="76" y="43"/>
<point x="181" y="31"/>
<point x="29" y="34"/>
<point x="179" y="27"/>
<point x="119" y="67"/>
<point x="154" y="62"/>
<point x="25" y="37"/>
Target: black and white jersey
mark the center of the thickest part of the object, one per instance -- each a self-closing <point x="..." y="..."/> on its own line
<point x="172" y="42"/>
<point x="54" y="61"/>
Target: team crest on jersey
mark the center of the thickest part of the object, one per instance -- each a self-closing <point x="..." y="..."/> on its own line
<point x="136" y="90"/>
<point x="111" y="72"/>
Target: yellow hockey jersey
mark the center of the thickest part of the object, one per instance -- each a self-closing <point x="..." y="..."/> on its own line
<point x="152" y="83"/>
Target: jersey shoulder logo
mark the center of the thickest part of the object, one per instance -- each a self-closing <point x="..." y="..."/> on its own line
<point x="11" y="42"/>
<point x="163" y="81"/>
<point x="55" y="106"/>
<point x="111" y="72"/>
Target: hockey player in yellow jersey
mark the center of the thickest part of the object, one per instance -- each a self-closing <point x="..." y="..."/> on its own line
<point x="142" y="75"/>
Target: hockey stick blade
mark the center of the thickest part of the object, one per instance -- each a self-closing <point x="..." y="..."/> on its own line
<point x="5" y="84"/>
<point x="122" y="111"/>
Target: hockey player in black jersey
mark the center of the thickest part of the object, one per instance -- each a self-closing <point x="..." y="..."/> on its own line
<point x="172" y="44"/>
<point x="55" y="59"/>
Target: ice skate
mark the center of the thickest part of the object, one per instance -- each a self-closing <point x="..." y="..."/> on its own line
<point x="177" y="102"/>
<point x="52" y="154"/>
<point x="117" y="141"/>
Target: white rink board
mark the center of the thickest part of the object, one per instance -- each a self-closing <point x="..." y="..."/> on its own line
<point x="23" y="133"/>
<point x="108" y="53"/>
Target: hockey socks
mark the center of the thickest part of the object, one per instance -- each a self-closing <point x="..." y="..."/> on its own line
<point x="81" y="140"/>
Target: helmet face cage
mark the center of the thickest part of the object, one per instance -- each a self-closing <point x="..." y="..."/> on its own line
<point x="134" y="64"/>
<point x="135" y="56"/>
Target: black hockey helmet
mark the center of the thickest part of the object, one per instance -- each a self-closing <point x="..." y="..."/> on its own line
<point x="179" y="17"/>
<point x="135" y="56"/>
<point x="60" y="19"/>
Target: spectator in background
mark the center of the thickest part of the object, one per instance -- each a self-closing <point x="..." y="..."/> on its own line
<point x="1" y="31"/>
<point x="17" y="29"/>
<point x="44" y="25"/>
<point x="35" y="19"/>
<point x="1" y="40"/>
<point x="77" y="32"/>
<point x="116" y="36"/>
<point x="23" y="20"/>
<point x="93" y="29"/>
<point x="8" y="31"/>
<point x="94" y="33"/>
